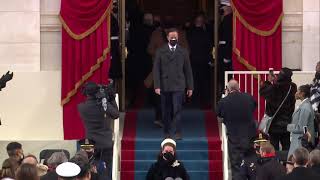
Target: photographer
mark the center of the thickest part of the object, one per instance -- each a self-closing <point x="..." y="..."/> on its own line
<point x="275" y="91"/>
<point x="97" y="112"/>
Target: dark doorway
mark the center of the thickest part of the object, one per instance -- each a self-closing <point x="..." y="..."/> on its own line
<point x="138" y="64"/>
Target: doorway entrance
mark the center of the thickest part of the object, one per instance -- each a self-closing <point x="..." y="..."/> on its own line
<point x="136" y="68"/>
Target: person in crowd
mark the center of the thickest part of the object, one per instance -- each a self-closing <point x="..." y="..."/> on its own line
<point x="315" y="89"/>
<point x="97" y="120"/>
<point x="315" y="100"/>
<point x="236" y="112"/>
<point x="30" y="159"/>
<point x="314" y="161"/>
<point x="225" y="44"/>
<point x="15" y="151"/>
<point x="200" y="41"/>
<point x="98" y="166"/>
<point x="55" y="160"/>
<point x="156" y="21"/>
<point x="67" y="171"/>
<point x="289" y="164"/>
<point x="302" y="117"/>
<point x="115" y="71"/>
<point x="249" y="162"/>
<point x="300" y="171"/>
<point x="27" y="172"/>
<point x="167" y="166"/>
<point x="274" y="91"/>
<point x="172" y="76"/>
<point x="83" y="162"/>
<point x="270" y="167"/>
<point x="139" y="63"/>
<point x="9" y="167"/>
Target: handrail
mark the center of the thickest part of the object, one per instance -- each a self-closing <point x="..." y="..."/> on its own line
<point x="116" y="147"/>
<point x="225" y="152"/>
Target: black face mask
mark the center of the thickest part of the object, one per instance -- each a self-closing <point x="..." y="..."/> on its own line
<point x="173" y="42"/>
<point x="169" y="157"/>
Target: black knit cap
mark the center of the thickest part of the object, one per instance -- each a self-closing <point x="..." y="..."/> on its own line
<point x="90" y="89"/>
<point x="287" y="72"/>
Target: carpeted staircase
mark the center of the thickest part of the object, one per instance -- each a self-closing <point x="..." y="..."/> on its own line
<point x="199" y="150"/>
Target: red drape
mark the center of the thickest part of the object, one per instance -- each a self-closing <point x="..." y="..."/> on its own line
<point x="85" y="55"/>
<point x="257" y="34"/>
<point x="256" y="41"/>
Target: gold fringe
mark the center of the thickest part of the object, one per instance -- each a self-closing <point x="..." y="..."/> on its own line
<point x="253" y="29"/>
<point x="93" y="68"/>
<point x="237" y="51"/>
<point x="90" y="30"/>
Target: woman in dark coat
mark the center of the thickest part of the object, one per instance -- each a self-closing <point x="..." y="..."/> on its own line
<point x="274" y="91"/>
<point x="167" y="166"/>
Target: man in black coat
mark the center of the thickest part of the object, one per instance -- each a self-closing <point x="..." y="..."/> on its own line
<point x="225" y="44"/>
<point x="300" y="171"/>
<point x="274" y="91"/>
<point x="236" y="110"/>
<point x="97" y="120"/>
<point x="172" y="76"/>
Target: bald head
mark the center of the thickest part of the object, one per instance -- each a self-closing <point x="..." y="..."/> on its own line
<point x="233" y="85"/>
<point x="30" y="159"/>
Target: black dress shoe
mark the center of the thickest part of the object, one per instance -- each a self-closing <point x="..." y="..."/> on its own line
<point x="158" y="123"/>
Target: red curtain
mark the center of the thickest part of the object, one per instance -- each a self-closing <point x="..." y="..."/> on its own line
<point x="256" y="41"/>
<point x="257" y="34"/>
<point x="85" y="55"/>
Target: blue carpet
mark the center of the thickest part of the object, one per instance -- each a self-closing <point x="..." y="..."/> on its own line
<point x="192" y="150"/>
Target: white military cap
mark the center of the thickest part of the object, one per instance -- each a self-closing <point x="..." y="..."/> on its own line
<point x="68" y="169"/>
<point x="168" y="141"/>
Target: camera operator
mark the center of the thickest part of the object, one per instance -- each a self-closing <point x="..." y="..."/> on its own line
<point x="97" y="112"/>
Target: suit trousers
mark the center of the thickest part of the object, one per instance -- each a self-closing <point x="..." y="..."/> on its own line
<point x="237" y="147"/>
<point x="171" y="106"/>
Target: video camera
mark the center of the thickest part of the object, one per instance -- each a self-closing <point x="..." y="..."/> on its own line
<point x="102" y="93"/>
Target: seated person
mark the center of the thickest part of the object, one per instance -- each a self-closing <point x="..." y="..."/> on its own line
<point x="167" y="166"/>
<point x="68" y="171"/>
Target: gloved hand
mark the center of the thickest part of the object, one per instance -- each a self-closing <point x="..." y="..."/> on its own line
<point x="4" y="79"/>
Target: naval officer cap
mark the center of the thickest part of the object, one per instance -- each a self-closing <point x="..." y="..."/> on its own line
<point x="68" y="170"/>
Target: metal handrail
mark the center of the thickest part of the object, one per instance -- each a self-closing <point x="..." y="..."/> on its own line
<point x="116" y="147"/>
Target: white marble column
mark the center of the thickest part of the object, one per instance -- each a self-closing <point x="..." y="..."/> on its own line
<point x="20" y="35"/>
<point x="50" y="35"/>
<point x="311" y="34"/>
<point x="292" y="34"/>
